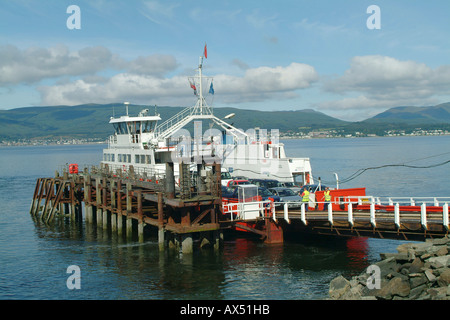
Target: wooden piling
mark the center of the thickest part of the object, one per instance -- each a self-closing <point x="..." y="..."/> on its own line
<point x="144" y="202"/>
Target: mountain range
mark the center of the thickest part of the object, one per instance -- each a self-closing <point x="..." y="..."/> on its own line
<point x="91" y="120"/>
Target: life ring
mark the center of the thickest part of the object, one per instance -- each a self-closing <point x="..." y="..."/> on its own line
<point x="73" y="168"/>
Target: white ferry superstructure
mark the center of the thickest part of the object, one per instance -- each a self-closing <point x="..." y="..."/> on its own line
<point x="141" y="142"/>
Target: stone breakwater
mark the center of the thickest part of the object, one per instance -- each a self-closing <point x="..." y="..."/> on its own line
<point x="419" y="271"/>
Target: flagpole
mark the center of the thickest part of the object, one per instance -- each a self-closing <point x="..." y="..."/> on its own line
<point x="200" y="84"/>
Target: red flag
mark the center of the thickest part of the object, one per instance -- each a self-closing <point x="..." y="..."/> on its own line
<point x="205" y="52"/>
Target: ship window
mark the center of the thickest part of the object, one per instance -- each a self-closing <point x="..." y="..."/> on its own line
<point x="137" y="158"/>
<point x="147" y="126"/>
<point x="121" y="127"/>
<point x="112" y="157"/>
<point x="147" y="159"/>
<point x="138" y="126"/>
<point x="142" y="158"/>
<point x="128" y="158"/>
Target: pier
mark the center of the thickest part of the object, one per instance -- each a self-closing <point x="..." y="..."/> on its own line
<point x="191" y="209"/>
<point x="126" y="201"/>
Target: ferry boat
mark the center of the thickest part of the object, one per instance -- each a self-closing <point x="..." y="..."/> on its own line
<point x="140" y="141"/>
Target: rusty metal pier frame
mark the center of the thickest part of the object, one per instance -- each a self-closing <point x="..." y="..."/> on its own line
<point x="118" y="201"/>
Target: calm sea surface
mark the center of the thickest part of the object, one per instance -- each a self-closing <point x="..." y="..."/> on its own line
<point x="34" y="258"/>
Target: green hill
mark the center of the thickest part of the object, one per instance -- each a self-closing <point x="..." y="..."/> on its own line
<point x="91" y="120"/>
<point x="415" y="115"/>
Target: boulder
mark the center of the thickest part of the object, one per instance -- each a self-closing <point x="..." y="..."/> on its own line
<point x="416" y="265"/>
<point x="419" y="271"/>
<point x="439" y="262"/>
<point x="444" y="278"/>
<point x="395" y="287"/>
<point x="338" y="286"/>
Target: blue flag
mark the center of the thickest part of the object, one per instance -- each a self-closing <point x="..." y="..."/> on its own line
<point x="211" y="89"/>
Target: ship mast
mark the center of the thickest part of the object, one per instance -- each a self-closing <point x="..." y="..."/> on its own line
<point x="202" y="107"/>
<point x="200" y="84"/>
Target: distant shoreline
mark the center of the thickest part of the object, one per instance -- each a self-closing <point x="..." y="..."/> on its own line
<point x="82" y="142"/>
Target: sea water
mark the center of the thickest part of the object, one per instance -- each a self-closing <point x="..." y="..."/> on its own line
<point x="34" y="259"/>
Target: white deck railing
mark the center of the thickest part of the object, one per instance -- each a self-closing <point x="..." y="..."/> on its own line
<point x="395" y="209"/>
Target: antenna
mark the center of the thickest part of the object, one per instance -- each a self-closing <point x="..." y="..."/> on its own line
<point x="126" y="106"/>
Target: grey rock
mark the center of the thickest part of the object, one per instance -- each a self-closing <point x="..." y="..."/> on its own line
<point x="441" y="241"/>
<point x="444" y="278"/>
<point x="437" y="293"/>
<point x="417" y="281"/>
<point x="422" y="248"/>
<point x="430" y="276"/>
<point x="417" y="291"/>
<point x="338" y="286"/>
<point x="439" y="262"/>
<point x="395" y="287"/>
<point x="404" y="247"/>
<point x="442" y="251"/>
<point x="416" y="265"/>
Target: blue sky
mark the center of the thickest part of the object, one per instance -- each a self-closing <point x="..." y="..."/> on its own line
<point x="263" y="55"/>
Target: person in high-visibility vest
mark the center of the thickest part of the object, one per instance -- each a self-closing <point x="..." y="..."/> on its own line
<point x="305" y="198"/>
<point x="326" y="198"/>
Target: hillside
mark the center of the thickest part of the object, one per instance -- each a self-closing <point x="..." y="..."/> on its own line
<point x="91" y="120"/>
<point x="414" y="115"/>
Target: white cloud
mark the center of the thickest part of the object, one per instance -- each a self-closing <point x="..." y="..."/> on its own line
<point x="34" y="64"/>
<point x="382" y="82"/>
<point x="257" y="84"/>
<point x="263" y="83"/>
<point x="156" y="64"/>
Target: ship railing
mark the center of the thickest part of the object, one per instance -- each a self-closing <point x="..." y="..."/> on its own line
<point x="394" y="209"/>
<point x="179" y="120"/>
<point x="251" y="210"/>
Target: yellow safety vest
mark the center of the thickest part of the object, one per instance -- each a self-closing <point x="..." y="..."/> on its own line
<point x="327" y="196"/>
<point x="305" y="196"/>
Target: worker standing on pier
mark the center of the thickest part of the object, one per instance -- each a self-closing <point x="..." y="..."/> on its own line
<point x="305" y="198"/>
<point x="326" y="198"/>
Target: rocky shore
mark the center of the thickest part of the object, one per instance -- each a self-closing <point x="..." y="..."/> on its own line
<point x="419" y="271"/>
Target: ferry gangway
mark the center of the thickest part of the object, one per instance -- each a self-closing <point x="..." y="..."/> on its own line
<point x="380" y="217"/>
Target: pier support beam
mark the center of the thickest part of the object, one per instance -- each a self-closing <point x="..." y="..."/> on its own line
<point x="274" y="232"/>
<point x="119" y="224"/>
<point x="113" y="207"/>
<point x="218" y="239"/>
<point x="129" y="231"/>
<point x="161" y="239"/>
<point x="161" y="231"/>
<point x="119" y="208"/>
<point x="170" y="181"/>
<point x="140" y="216"/>
<point x="98" y="199"/>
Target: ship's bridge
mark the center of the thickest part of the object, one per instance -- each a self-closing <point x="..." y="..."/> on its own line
<point x="131" y="131"/>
